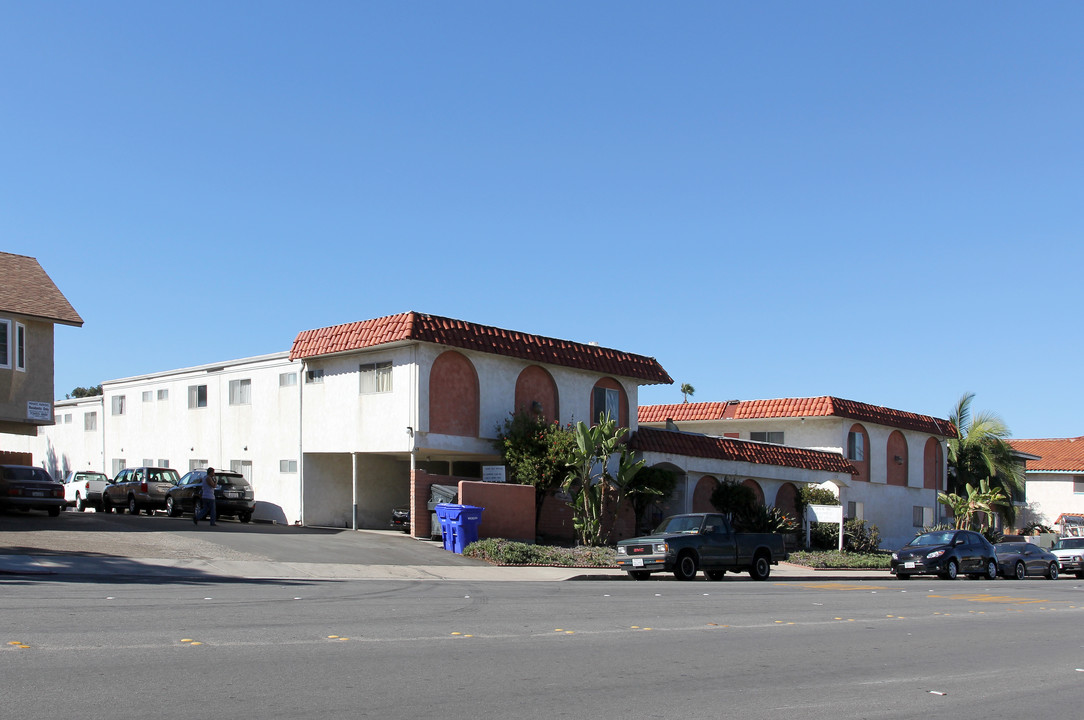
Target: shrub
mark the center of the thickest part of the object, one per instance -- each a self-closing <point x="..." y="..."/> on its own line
<point x="860" y="538"/>
<point x="506" y="552"/>
<point x="835" y="559"/>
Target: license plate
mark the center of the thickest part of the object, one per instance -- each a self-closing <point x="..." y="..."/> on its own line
<point x="233" y="494"/>
<point x="910" y="565"/>
<point x="637" y="562"/>
<point x="37" y="494"/>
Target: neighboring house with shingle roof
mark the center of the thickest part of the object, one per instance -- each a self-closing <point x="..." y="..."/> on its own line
<point x="899" y="456"/>
<point x="30" y="305"/>
<point x="1053" y="480"/>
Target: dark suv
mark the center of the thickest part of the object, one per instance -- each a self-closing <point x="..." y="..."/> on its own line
<point x="233" y="495"/>
<point x="139" y="488"/>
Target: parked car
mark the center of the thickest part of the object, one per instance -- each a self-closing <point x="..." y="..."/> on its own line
<point x="400" y="518"/>
<point x="1070" y="554"/>
<point x="1017" y="560"/>
<point x="684" y="544"/>
<point x="139" y="488"/>
<point x="947" y="553"/>
<point x="233" y="495"/>
<point x="83" y="489"/>
<point x="30" y="488"/>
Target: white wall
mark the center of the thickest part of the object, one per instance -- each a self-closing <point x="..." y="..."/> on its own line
<point x="1051" y="494"/>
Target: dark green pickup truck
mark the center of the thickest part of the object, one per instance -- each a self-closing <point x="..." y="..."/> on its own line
<point x="684" y="544"/>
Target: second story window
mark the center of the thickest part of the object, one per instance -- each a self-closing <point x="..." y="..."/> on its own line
<point x="376" y="377"/>
<point x="240" y="392"/>
<point x="607" y="401"/>
<point x="5" y="343"/>
<point x="287" y="379"/>
<point x="856" y="446"/>
<point x="776" y="438"/>
<point x="90" y="421"/>
<point x="20" y="346"/>
<point x="314" y="376"/>
<point x="197" y="396"/>
<point x="118" y="404"/>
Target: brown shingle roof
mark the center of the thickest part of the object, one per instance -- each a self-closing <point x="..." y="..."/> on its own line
<point x="825" y="405"/>
<point x="26" y="289"/>
<point x="705" y="446"/>
<point x="415" y="326"/>
<point x="1058" y="454"/>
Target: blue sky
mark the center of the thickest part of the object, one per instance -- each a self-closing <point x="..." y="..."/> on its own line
<point x="879" y="201"/>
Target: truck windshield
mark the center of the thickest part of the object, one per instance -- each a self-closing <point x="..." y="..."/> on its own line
<point x="680" y="524"/>
<point x="1069" y="544"/>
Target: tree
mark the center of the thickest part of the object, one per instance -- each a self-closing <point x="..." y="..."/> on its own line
<point x="980" y="451"/>
<point x="536" y="453"/>
<point x="687" y="391"/>
<point x="732" y="498"/>
<point x="980" y="502"/>
<point x="596" y="494"/>
<point x="648" y="485"/>
<point x="82" y="392"/>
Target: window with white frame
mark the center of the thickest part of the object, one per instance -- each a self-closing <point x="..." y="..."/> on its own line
<point x="1078" y="484"/>
<point x="921" y="516"/>
<point x="20" y="346"/>
<point x="148" y="396"/>
<point x="197" y="396"/>
<point x="162" y="463"/>
<point x="287" y="379"/>
<point x="67" y="418"/>
<point x="240" y="392"/>
<point x="90" y="421"/>
<point x="376" y="377"/>
<point x="856" y="446"/>
<point x="287" y="466"/>
<point x="118" y="465"/>
<point x="197" y="464"/>
<point x="118" y="405"/>
<point x="856" y="510"/>
<point x="607" y="401"/>
<point x="242" y="466"/>
<point x="776" y="438"/>
<point x="5" y="343"/>
<point x="149" y="462"/>
<point x="314" y="376"/>
<point x="163" y="394"/>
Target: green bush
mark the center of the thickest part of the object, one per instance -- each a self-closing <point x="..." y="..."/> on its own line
<point x="506" y="552"/>
<point x="827" y="559"/>
<point x="860" y="538"/>
<point x="823" y="536"/>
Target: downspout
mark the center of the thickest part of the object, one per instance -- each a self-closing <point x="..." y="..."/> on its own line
<point x="301" y="443"/>
<point x="354" y="483"/>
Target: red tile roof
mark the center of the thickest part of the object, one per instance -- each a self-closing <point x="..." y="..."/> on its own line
<point x="26" y="289"/>
<point x="824" y="405"/>
<point x="1058" y="454"/>
<point x="413" y="326"/>
<point x="648" y="439"/>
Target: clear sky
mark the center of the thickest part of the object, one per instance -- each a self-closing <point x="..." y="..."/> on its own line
<point x="880" y="201"/>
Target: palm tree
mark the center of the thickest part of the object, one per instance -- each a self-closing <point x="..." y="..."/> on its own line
<point x="687" y="390"/>
<point x="980" y="451"/>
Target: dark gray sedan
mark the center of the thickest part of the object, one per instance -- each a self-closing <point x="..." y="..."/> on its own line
<point x="946" y="553"/>
<point x="1017" y="560"/>
<point x="30" y="488"/>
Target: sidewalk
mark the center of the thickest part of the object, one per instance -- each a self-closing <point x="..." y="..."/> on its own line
<point x="44" y="566"/>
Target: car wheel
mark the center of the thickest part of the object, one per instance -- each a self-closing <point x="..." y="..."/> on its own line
<point x="244" y="517"/>
<point x="80" y="506"/>
<point x="686" y="567"/>
<point x="54" y="511"/>
<point x="197" y="506"/>
<point x="639" y="574"/>
<point x="761" y="569"/>
<point x="715" y="574"/>
<point x="171" y="510"/>
<point x="1020" y="571"/>
<point x="991" y="570"/>
<point x="1052" y="571"/>
<point x="951" y="571"/>
<point x="133" y="509"/>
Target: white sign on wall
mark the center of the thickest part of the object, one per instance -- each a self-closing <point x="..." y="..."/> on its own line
<point x="493" y="473"/>
<point x="38" y="410"/>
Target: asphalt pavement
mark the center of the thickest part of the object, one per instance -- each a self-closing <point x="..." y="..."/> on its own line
<point x="162" y="548"/>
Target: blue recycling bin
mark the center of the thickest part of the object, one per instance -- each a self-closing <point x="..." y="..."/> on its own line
<point x="459" y="524"/>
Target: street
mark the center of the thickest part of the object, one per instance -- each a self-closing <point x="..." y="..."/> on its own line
<point x="77" y="646"/>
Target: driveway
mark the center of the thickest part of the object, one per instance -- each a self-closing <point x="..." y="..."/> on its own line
<point x="158" y="536"/>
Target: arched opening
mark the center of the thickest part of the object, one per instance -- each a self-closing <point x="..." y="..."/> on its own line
<point x="453" y="395"/>
<point x="933" y="464"/>
<point x="896" y="459"/>
<point x="858" y="451"/>
<point x="608" y="396"/>
<point x="756" y="488"/>
<point x="536" y="393"/>
<point x="786" y="500"/>
<point x="702" y="494"/>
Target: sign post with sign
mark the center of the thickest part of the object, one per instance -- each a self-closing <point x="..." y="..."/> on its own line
<point x="824" y="513"/>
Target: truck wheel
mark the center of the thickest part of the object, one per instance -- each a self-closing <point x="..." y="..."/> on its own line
<point x="80" y="506"/>
<point x="761" y="569"/>
<point x="686" y="567"/>
<point x="715" y="574"/>
<point x="639" y="574"/>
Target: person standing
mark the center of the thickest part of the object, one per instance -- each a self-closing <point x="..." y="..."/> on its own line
<point x="207" y="495"/>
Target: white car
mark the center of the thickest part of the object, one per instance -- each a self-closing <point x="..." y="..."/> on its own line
<point x="1070" y="552"/>
<point x="84" y="488"/>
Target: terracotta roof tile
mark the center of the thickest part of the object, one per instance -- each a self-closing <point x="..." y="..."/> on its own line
<point x="26" y="289"/>
<point x="1058" y="454"/>
<point x="413" y="326"/>
<point x="822" y="406"/>
<point x="723" y="448"/>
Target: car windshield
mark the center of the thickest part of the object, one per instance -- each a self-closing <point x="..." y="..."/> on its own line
<point x="933" y="538"/>
<point x="26" y="473"/>
<point x="681" y="524"/>
<point x="166" y="476"/>
<point x="1069" y="544"/>
<point x="92" y="476"/>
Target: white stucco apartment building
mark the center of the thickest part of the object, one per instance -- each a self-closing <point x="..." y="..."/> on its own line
<point x="1053" y="483"/>
<point x="899" y="456"/>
